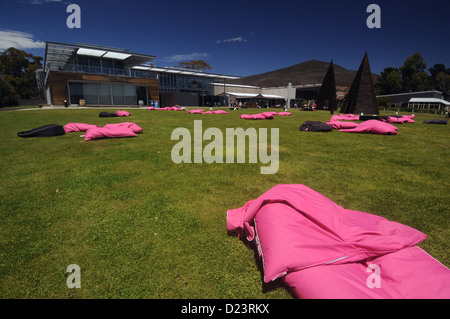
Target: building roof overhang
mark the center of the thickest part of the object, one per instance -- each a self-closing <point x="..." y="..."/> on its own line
<point x="59" y="54"/>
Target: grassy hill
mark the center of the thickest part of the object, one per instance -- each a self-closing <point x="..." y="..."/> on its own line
<point x="309" y="72"/>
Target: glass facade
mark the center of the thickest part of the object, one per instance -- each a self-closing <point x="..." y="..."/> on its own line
<point x="104" y="94"/>
<point x="105" y="66"/>
<point x="107" y="94"/>
<point x="76" y="92"/>
<point x="172" y="82"/>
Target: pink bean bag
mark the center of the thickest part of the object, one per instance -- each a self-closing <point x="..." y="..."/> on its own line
<point x="409" y="273"/>
<point x="122" y="113"/>
<point x="267" y="115"/>
<point x="215" y="112"/>
<point x="373" y="127"/>
<point x="134" y="127"/>
<point x="111" y="132"/>
<point x="400" y="120"/>
<point x="284" y="114"/>
<point x="78" y="127"/>
<point x="345" y="117"/>
<point x="322" y="250"/>
<point x="341" y="124"/>
<point x="196" y="111"/>
<point x="260" y="116"/>
<point x="151" y="108"/>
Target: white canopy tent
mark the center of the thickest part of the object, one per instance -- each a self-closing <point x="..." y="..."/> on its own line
<point x="429" y="103"/>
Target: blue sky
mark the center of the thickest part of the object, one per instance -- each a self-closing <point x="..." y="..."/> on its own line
<point x="239" y="37"/>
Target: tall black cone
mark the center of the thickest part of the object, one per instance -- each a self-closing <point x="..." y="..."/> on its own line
<point x="327" y="94"/>
<point x="361" y="97"/>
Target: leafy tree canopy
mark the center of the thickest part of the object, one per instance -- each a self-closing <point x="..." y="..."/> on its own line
<point x="194" y="65"/>
<point x="18" y="70"/>
<point x="412" y="76"/>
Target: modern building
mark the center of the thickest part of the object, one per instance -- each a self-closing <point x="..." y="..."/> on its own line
<point x="251" y="96"/>
<point x="402" y="99"/>
<point x="428" y="103"/>
<point x="271" y="96"/>
<point x="94" y="75"/>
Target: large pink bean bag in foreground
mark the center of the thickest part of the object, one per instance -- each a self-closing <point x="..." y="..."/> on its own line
<point x="373" y="127"/>
<point x="322" y="250"/>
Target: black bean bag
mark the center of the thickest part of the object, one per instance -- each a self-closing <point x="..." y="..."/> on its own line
<point x="315" y="126"/>
<point x="44" y="131"/>
<point x="436" y="121"/>
<point x="106" y="114"/>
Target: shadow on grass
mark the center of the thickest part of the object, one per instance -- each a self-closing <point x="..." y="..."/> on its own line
<point x="272" y="285"/>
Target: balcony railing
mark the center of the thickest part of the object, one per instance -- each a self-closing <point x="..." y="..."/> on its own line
<point x="104" y="71"/>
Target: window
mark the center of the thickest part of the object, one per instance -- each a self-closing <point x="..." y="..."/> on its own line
<point x="104" y="94"/>
<point x="118" y="98"/>
<point x="141" y="92"/>
<point x="83" y="60"/>
<point x="76" y="92"/>
<point x="107" y="94"/>
<point x="130" y="95"/>
<point x="108" y="66"/>
<point x="90" y="94"/>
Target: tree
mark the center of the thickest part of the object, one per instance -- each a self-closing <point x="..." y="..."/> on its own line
<point x="413" y="73"/>
<point x="194" y="65"/>
<point x="7" y="94"/>
<point x="440" y="77"/>
<point x="18" y="69"/>
<point x="436" y="69"/>
<point x="442" y="82"/>
<point x="390" y="82"/>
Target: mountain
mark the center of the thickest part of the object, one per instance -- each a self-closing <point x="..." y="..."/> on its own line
<point x="309" y="72"/>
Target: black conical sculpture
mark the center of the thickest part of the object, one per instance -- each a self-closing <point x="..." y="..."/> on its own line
<point x="361" y="97"/>
<point x="327" y="94"/>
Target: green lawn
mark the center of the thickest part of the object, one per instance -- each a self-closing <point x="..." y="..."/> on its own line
<point x="140" y="226"/>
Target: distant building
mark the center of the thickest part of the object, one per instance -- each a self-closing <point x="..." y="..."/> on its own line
<point x="402" y="99"/>
<point x="271" y="96"/>
<point x="428" y="103"/>
<point x="94" y="75"/>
